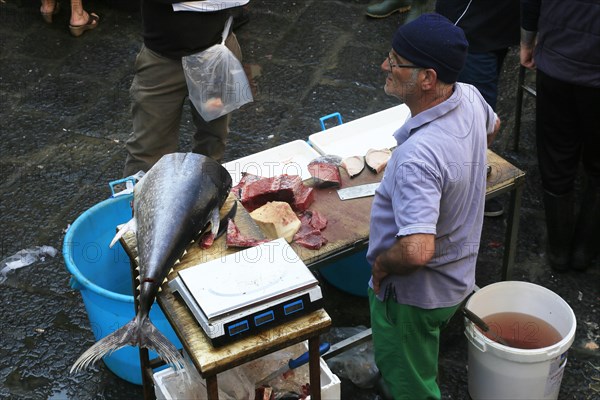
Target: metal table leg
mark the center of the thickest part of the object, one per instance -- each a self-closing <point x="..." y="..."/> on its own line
<point x="512" y="231"/>
<point x="518" y="107"/>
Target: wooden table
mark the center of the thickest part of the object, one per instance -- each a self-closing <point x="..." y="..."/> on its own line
<point x="347" y="231"/>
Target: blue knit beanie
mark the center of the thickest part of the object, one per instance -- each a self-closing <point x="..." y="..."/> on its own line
<point x="432" y="41"/>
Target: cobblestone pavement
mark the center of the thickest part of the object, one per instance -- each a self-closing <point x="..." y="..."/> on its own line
<point x="64" y="112"/>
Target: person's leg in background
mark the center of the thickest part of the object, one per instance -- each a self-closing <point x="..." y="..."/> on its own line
<point x="417" y="7"/>
<point x="388" y="7"/>
<point x="586" y="241"/>
<point x="49" y="9"/>
<point x="559" y="151"/>
<point x="158" y="93"/>
<point x="81" y="21"/>
<point x="482" y="70"/>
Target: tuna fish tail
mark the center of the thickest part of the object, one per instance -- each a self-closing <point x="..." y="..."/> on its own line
<point x="138" y="332"/>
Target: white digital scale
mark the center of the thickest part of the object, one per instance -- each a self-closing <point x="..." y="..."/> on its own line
<point x="248" y="291"/>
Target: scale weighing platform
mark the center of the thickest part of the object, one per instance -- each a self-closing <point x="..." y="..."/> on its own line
<point x="243" y="293"/>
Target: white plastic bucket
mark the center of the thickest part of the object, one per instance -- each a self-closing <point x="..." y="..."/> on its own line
<point x="502" y="372"/>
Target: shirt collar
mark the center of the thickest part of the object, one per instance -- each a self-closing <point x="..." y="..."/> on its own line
<point x="413" y="123"/>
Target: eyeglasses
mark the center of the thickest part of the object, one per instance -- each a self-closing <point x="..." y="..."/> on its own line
<point x="392" y="65"/>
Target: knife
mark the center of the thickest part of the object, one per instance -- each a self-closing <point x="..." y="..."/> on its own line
<point x="292" y="364"/>
<point x="356" y="192"/>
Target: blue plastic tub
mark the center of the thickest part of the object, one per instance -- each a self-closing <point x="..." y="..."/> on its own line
<point x="350" y="274"/>
<point x="103" y="276"/>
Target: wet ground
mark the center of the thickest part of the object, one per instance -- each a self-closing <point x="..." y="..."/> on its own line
<point x="64" y="112"/>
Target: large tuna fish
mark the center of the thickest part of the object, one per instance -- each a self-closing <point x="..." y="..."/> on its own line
<point x="172" y="204"/>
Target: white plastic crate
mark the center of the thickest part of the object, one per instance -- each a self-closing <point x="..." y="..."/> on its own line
<point x="290" y="158"/>
<point x="168" y="387"/>
<point x="354" y="138"/>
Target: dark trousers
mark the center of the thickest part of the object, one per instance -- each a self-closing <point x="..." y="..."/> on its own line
<point x="482" y="70"/>
<point x="568" y="130"/>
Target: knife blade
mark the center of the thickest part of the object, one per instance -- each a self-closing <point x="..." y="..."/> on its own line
<point x="356" y="192"/>
<point x="292" y="364"/>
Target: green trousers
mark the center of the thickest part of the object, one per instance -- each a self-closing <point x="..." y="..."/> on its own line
<point x="406" y="344"/>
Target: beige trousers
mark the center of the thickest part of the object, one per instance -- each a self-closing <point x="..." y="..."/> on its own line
<point x="158" y="93"/>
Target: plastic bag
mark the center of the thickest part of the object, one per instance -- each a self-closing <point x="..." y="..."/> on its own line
<point x="24" y="258"/>
<point x="292" y="382"/>
<point x="216" y="81"/>
<point x="233" y="384"/>
<point x="357" y="364"/>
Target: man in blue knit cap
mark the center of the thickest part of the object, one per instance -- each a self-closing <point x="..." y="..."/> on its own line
<point x="427" y="213"/>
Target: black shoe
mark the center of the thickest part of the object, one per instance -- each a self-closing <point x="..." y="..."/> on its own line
<point x="493" y="208"/>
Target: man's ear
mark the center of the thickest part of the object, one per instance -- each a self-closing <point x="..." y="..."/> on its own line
<point x="428" y="78"/>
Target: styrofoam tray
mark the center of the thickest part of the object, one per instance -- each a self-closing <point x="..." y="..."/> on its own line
<point x="354" y="138"/>
<point x="290" y="158"/>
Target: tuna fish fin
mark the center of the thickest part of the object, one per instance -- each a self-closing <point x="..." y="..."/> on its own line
<point x="130" y="226"/>
<point x="214" y="221"/>
<point x="138" y="332"/>
<point x="208" y="238"/>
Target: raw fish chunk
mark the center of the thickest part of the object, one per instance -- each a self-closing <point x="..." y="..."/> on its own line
<point x="377" y="159"/>
<point x="277" y="219"/>
<point x="354" y="165"/>
<point x="325" y="172"/>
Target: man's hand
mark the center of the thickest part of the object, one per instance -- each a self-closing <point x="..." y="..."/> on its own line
<point x="378" y="274"/>
<point x="526" y="57"/>
<point x="492" y="136"/>
<point x="407" y="255"/>
<point x="528" y="41"/>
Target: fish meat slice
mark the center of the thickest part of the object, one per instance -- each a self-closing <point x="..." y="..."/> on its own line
<point x="286" y="188"/>
<point x="235" y="238"/>
<point x="353" y="165"/>
<point x="309" y="235"/>
<point x="246" y="179"/>
<point x="377" y="160"/>
<point x="325" y="172"/>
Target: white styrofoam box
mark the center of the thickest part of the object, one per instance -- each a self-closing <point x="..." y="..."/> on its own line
<point x="290" y="158"/>
<point x="232" y="386"/>
<point x="354" y="138"/>
<point x="166" y="387"/>
<point x="330" y="383"/>
<point x="162" y="389"/>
